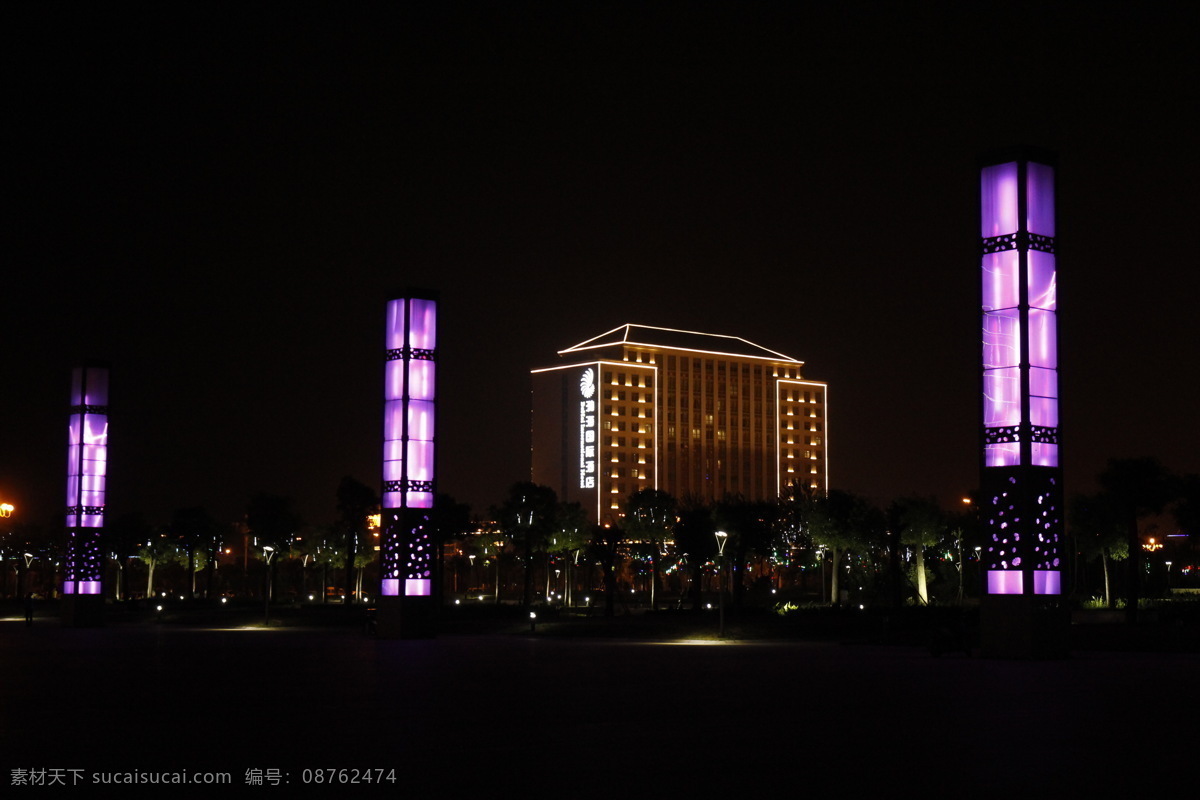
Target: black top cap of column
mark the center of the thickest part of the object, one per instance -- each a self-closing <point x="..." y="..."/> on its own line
<point x="1019" y="152"/>
<point x="92" y="363"/>
<point x="420" y="293"/>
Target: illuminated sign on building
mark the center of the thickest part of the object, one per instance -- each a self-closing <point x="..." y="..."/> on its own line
<point x="87" y="472"/>
<point x="587" y="429"/>
<point x="1021" y="501"/>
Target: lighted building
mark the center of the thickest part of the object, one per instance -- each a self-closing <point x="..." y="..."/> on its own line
<point x="693" y="414"/>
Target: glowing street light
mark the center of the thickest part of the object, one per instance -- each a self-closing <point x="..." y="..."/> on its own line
<point x="722" y="538"/>
<point x="499" y="546"/>
<point x="268" y="554"/>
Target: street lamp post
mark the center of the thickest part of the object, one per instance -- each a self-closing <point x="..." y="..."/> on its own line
<point x="821" y="567"/>
<point x="23" y="577"/>
<point x="722" y="538"/>
<point x="268" y="554"/>
<point x="979" y="569"/>
<point x="568" y="583"/>
<point x="499" y="544"/>
<point x="962" y="566"/>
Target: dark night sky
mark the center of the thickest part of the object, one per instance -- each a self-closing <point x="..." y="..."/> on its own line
<point x="218" y="199"/>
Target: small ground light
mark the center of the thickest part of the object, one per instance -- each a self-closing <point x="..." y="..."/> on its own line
<point x="158" y="608"/>
<point x="224" y="600"/>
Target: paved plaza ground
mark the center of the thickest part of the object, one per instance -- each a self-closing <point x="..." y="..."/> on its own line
<point x="565" y="714"/>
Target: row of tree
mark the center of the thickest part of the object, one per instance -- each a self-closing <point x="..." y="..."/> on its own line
<point x="767" y="543"/>
<point x="831" y="546"/>
<point x="1116" y="522"/>
<point x="194" y="542"/>
<point x="912" y="550"/>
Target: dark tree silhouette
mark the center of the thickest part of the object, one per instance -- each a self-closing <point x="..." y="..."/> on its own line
<point x="695" y="542"/>
<point x="528" y="516"/>
<point x="195" y="529"/>
<point x="570" y="537"/>
<point x="750" y="525"/>
<point x="123" y="537"/>
<point x="605" y="546"/>
<point x="919" y="523"/>
<point x="650" y="517"/>
<point x="355" y="503"/>
<point x="1134" y="488"/>
<point x="842" y="522"/>
<point x="272" y="522"/>
<point x="1187" y="509"/>
<point x="1099" y="533"/>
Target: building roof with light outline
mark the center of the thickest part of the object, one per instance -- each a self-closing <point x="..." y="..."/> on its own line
<point x="673" y="339"/>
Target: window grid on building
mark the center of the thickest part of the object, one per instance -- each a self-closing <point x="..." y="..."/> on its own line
<point x="697" y="423"/>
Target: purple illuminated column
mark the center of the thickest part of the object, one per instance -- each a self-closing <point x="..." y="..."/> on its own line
<point x="1021" y="477"/>
<point x="409" y="558"/>
<point x="87" y="458"/>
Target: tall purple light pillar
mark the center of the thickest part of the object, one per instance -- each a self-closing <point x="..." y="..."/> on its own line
<point x="87" y="472"/>
<point x="1021" y="496"/>
<point x="409" y="557"/>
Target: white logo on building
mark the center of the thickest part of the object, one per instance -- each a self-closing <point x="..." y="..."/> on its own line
<point x="587" y="430"/>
